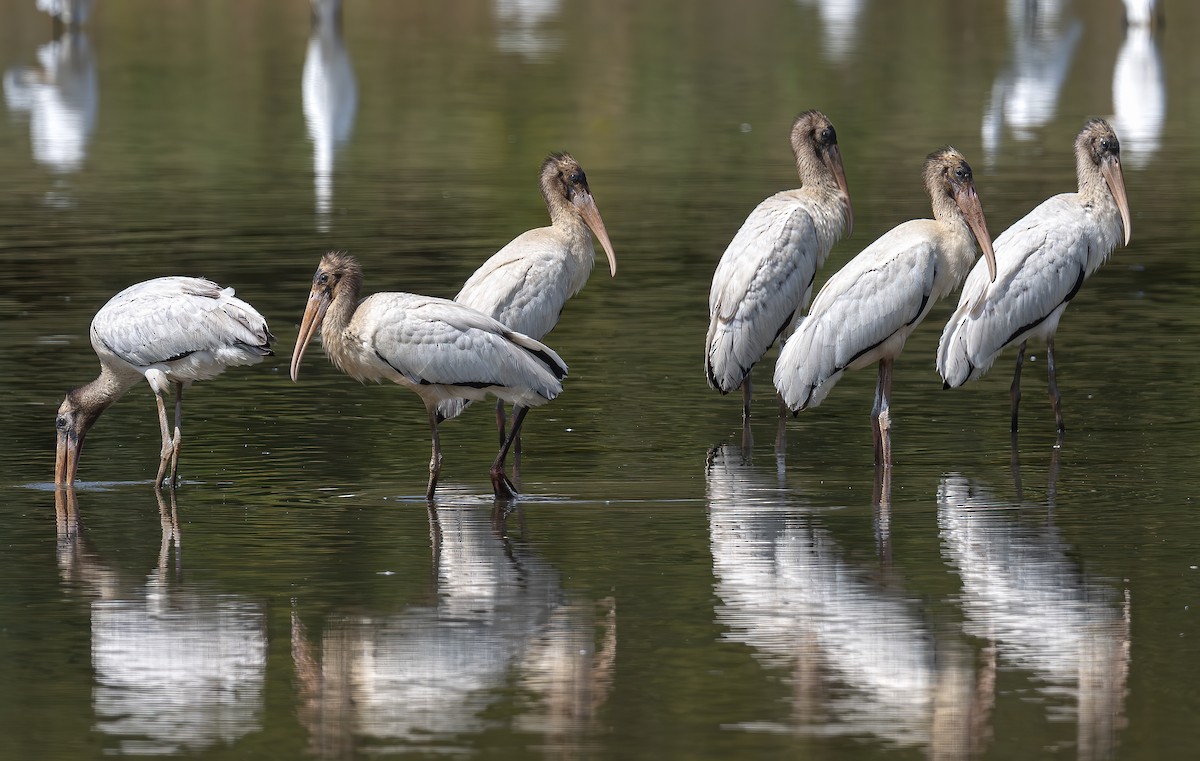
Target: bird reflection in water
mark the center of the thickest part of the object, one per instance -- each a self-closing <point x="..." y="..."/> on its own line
<point x="330" y="95"/>
<point x="522" y="28"/>
<point x="1025" y="94"/>
<point x="60" y="94"/>
<point x="1023" y="592"/>
<point x="860" y="656"/>
<point x="178" y="669"/>
<point x="839" y="26"/>
<point x="497" y="622"/>
<point x="1139" y="90"/>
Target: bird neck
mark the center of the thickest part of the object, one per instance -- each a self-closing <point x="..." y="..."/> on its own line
<point x="816" y="177"/>
<point x="337" y="318"/>
<point x="1093" y="188"/>
<point x="563" y="214"/>
<point x="946" y="211"/>
<point x="106" y="389"/>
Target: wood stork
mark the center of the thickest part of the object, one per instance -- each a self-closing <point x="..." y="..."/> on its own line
<point x="766" y="274"/>
<point x="437" y="348"/>
<point x="526" y="284"/>
<point x="170" y="331"/>
<point x="867" y="310"/>
<point x="1043" y="260"/>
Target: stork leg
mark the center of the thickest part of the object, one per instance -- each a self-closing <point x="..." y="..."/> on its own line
<point x="516" y="455"/>
<point x="435" y="458"/>
<point x="500" y="426"/>
<point x="177" y="439"/>
<point x="1015" y="391"/>
<point x="1055" y="398"/>
<point x="164" y="454"/>
<point x="501" y="485"/>
<point x="501" y="422"/>
<point x="881" y="419"/>
<point x="747" y="394"/>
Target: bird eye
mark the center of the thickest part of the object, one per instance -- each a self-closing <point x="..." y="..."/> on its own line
<point x="827" y="135"/>
<point x="962" y="173"/>
<point x="1104" y="143"/>
<point x="60" y="422"/>
<point x="577" y="177"/>
<point x="323" y="279"/>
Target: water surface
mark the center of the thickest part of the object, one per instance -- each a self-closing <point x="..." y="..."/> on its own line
<point x="660" y="589"/>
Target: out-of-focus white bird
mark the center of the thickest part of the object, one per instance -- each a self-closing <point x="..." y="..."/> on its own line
<point x="330" y="94"/>
<point x="765" y="277"/>
<point x="170" y="331"/>
<point x="866" y="311"/>
<point x="437" y="348"/>
<point x="526" y="284"/>
<point x="1042" y="261"/>
<point x="1139" y="93"/>
<point x="61" y="96"/>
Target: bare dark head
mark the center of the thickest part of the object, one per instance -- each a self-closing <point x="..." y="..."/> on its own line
<point x="1098" y="151"/>
<point x="818" y="158"/>
<point x="562" y="176"/>
<point x="565" y="188"/>
<point x="951" y="184"/>
<point x="338" y="277"/>
<point x="76" y="416"/>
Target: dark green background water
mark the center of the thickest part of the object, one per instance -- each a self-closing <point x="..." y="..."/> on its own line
<point x="659" y="592"/>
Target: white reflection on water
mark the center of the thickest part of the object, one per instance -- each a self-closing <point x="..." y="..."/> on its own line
<point x="861" y="657"/>
<point x="521" y="28"/>
<point x="426" y="677"/>
<point x="60" y="95"/>
<point x="330" y="94"/>
<point x="1139" y="97"/>
<point x="1025" y="94"/>
<point x="71" y="12"/>
<point x="1023" y="592"/>
<point x="177" y="669"/>
<point x="839" y="22"/>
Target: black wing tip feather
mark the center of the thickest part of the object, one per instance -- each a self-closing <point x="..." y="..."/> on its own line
<point x="559" y="370"/>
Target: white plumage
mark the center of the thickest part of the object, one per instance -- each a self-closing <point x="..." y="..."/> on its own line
<point x="437" y="348"/>
<point x="526" y="284"/>
<point x="867" y="310"/>
<point x="171" y="331"/>
<point x="329" y="92"/>
<point x="1042" y="261"/>
<point x="765" y="277"/>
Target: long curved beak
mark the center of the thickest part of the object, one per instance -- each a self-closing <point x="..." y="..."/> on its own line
<point x="66" y="458"/>
<point x="314" y="313"/>
<point x="586" y="207"/>
<point x="1111" y="169"/>
<point x="834" y="162"/>
<point x="968" y="201"/>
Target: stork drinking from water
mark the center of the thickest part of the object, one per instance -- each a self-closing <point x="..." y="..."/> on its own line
<point x="170" y="331"/>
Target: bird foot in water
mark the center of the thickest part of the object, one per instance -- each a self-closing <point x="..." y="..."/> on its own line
<point x="502" y="486"/>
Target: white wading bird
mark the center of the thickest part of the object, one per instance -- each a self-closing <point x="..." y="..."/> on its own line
<point x="867" y="310"/>
<point x="526" y="284"/>
<point x="437" y="348"/>
<point x="1043" y="260"/>
<point x="765" y="276"/>
<point x="170" y="331"/>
